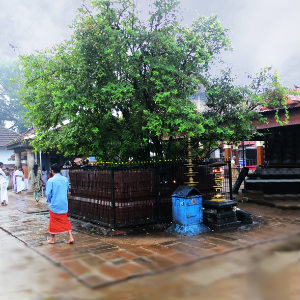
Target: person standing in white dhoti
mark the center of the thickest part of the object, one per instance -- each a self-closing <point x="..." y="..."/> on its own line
<point x="19" y="180"/>
<point x="13" y="178"/>
<point x="3" y="186"/>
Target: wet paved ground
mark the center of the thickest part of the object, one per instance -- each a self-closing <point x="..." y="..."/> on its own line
<point x="237" y="265"/>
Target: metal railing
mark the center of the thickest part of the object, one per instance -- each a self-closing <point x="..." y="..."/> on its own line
<point x="132" y="195"/>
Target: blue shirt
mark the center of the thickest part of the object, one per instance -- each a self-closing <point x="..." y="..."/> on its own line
<point x="57" y="189"/>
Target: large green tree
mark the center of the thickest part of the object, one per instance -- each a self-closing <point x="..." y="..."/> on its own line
<point x="232" y="110"/>
<point x="11" y="109"/>
<point x="121" y="84"/>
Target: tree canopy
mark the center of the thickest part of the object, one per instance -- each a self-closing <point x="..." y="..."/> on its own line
<point x="120" y="86"/>
<point x="10" y="107"/>
<point x="233" y="110"/>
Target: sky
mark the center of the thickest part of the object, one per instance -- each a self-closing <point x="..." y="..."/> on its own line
<point x="263" y="32"/>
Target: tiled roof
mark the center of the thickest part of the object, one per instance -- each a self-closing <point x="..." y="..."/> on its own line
<point x="294" y="119"/>
<point x="292" y="101"/>
<point x="7" y="135"/>
<point x="23" y="138"/>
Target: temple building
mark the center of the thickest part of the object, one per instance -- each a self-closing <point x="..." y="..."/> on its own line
<point x="6" y="135"/>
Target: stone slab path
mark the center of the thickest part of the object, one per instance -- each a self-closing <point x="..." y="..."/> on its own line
<point x="97" y="261"/>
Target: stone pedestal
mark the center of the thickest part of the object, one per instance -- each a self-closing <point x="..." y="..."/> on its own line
<point x="220" y="216"/>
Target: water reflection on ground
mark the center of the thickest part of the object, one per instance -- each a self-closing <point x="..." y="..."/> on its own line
<point x="261" y="263"/>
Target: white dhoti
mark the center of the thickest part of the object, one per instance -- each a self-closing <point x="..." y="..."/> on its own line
<point x="20" y="184"/>
<point x="4" y="196"/>
<point x="26" y="183"/>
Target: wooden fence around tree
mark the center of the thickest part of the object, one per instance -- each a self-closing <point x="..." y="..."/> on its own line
<point x="126" y="196"/>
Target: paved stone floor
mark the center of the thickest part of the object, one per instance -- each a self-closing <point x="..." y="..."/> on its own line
<point x="261" y="262"/>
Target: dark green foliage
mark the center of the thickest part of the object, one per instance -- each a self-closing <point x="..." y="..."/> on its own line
<point x="10" y="107"/>
<point x="121" y="83"/>
<point x="232" y="111"/>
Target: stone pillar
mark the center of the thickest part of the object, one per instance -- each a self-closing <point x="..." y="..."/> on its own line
<point x="30" y="164"/>
<point x="260" y="153"/>
<point x="227" y="152"/>
<point x="30" y="160"/>
<point x="17" y="159"/>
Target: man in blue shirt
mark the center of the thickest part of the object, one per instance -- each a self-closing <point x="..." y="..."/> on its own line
<point x="57" y="189"/>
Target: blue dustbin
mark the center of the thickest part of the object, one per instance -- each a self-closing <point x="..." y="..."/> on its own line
<point x="187" y="211"/>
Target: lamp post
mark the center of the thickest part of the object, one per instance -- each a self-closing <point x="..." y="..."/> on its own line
<point x="187" y="204"/>
<point x="41" y="171"/>
<point x="220" y="214"/>
<point x="190" y="174"/>
<point x="218" y="197"/>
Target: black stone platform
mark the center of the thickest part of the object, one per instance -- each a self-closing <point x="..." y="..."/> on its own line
<point x="273" y="180"/>
<point x="220" y="216"/>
